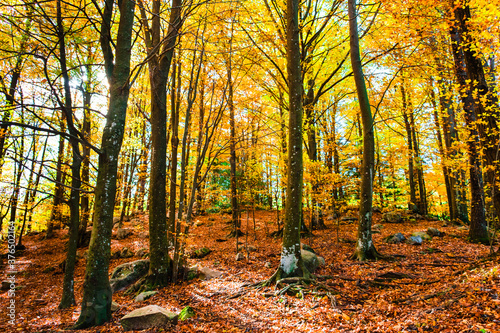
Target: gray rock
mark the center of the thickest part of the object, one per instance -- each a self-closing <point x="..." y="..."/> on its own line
<point x="126" y="253"/>
<point x="201" y="253"/>
<point x="128" y="273"/>
<point x="422" y="234"/>
<point x="395" y="239"/>
<point x="392" y="217"/>
<point x="415" y="240"/>
<point x="143" y="235"/>
<point x="204" y="273"/>
<point x="311" y="260"/>
<point x="433" y="232"/>
<point x="148" y="317"/>
<point x="116" y="254"/>
<point x="123" y="233"/>
<point x="186" y="313"/>
<point x="306" y="247"/>
<point x="114" y="306"/>
<point x="142" y="252"/>
<point x="413" y="208"/>
<point x="240" y="256"/>
<point x="136" y="222"/>
<point x="251" y="248"/>
<point x="144" y="296"/>
<point x="321" y="261"/>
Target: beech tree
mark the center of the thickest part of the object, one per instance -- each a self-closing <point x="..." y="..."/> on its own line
<point x="291" y="263"/>
<point x="160" y="53"/>
<point x="96" y="303"/>
<point x="365" y="249"/>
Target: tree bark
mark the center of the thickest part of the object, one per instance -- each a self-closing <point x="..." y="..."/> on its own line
<point x="291" y="263"/>
<point x="96" y="302"/>
<point x="365" y="248"/>
<point x="484" y="100"/>
<point x="477" y="231"/>
<point x="160" y="54"/>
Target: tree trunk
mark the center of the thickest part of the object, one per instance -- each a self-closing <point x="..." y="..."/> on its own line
<point x="174" y="144"/>
<point x="232" y="153"/>
<point x="17" y="182"/>
<point x="160" y="54"/>
<point x="85" y="178"/>
<point x="14" y="80"/>
<point x="28" y="191"/>
<point x="484" y="100"/>
<point x="96" y="302"/>
<point x="55" y="215"/>
<point x="364" y="246"/>
<point x="291" y="263"/>
<point x="477" y="231"/>
<point x="411" y="170"/>
<point x="68" y="296"/>
<point x="317" y="221"/>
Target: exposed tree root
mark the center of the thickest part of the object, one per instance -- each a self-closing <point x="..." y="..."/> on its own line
<point x="276" y="234"/>
<point x="371" y="254"/>
<point x="233" y="233"/>
<point x="292" y="285"/>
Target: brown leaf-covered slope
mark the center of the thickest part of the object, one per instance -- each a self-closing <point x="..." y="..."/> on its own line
<point x="444" y="285"/>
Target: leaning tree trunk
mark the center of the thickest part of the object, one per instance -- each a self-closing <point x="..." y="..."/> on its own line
<point x="97" y="294"/>
<point x="68" y="296"/>
<point x="364" y="245"/>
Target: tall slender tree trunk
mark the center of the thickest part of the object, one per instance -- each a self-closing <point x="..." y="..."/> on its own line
<point x="55" y="215"/>
<point x="160" y="54"/>
<point x="68" y="296"/>
<point x="174" y="143"/>
<point x="317" y="221"/>
<point x="291" y="263"/>
<point x="29" y="189"/>
<point x="409" y="138"/>
<point x="232" y="150"/>
<point x="365" y="248"/>
<point x="422" y="196"/>
<point x="17" y="181"/>
<point x="14" y="80"/>
<point x="85" y="178"/>
<point x="477" y="231"/>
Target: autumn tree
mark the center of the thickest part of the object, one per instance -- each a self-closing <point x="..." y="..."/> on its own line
<point x="365" y="248"/>
<point x="96" y="303"/>
<point x="291" y="263"/>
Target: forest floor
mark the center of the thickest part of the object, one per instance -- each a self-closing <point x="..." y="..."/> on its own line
<point x="450" y="285"/>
